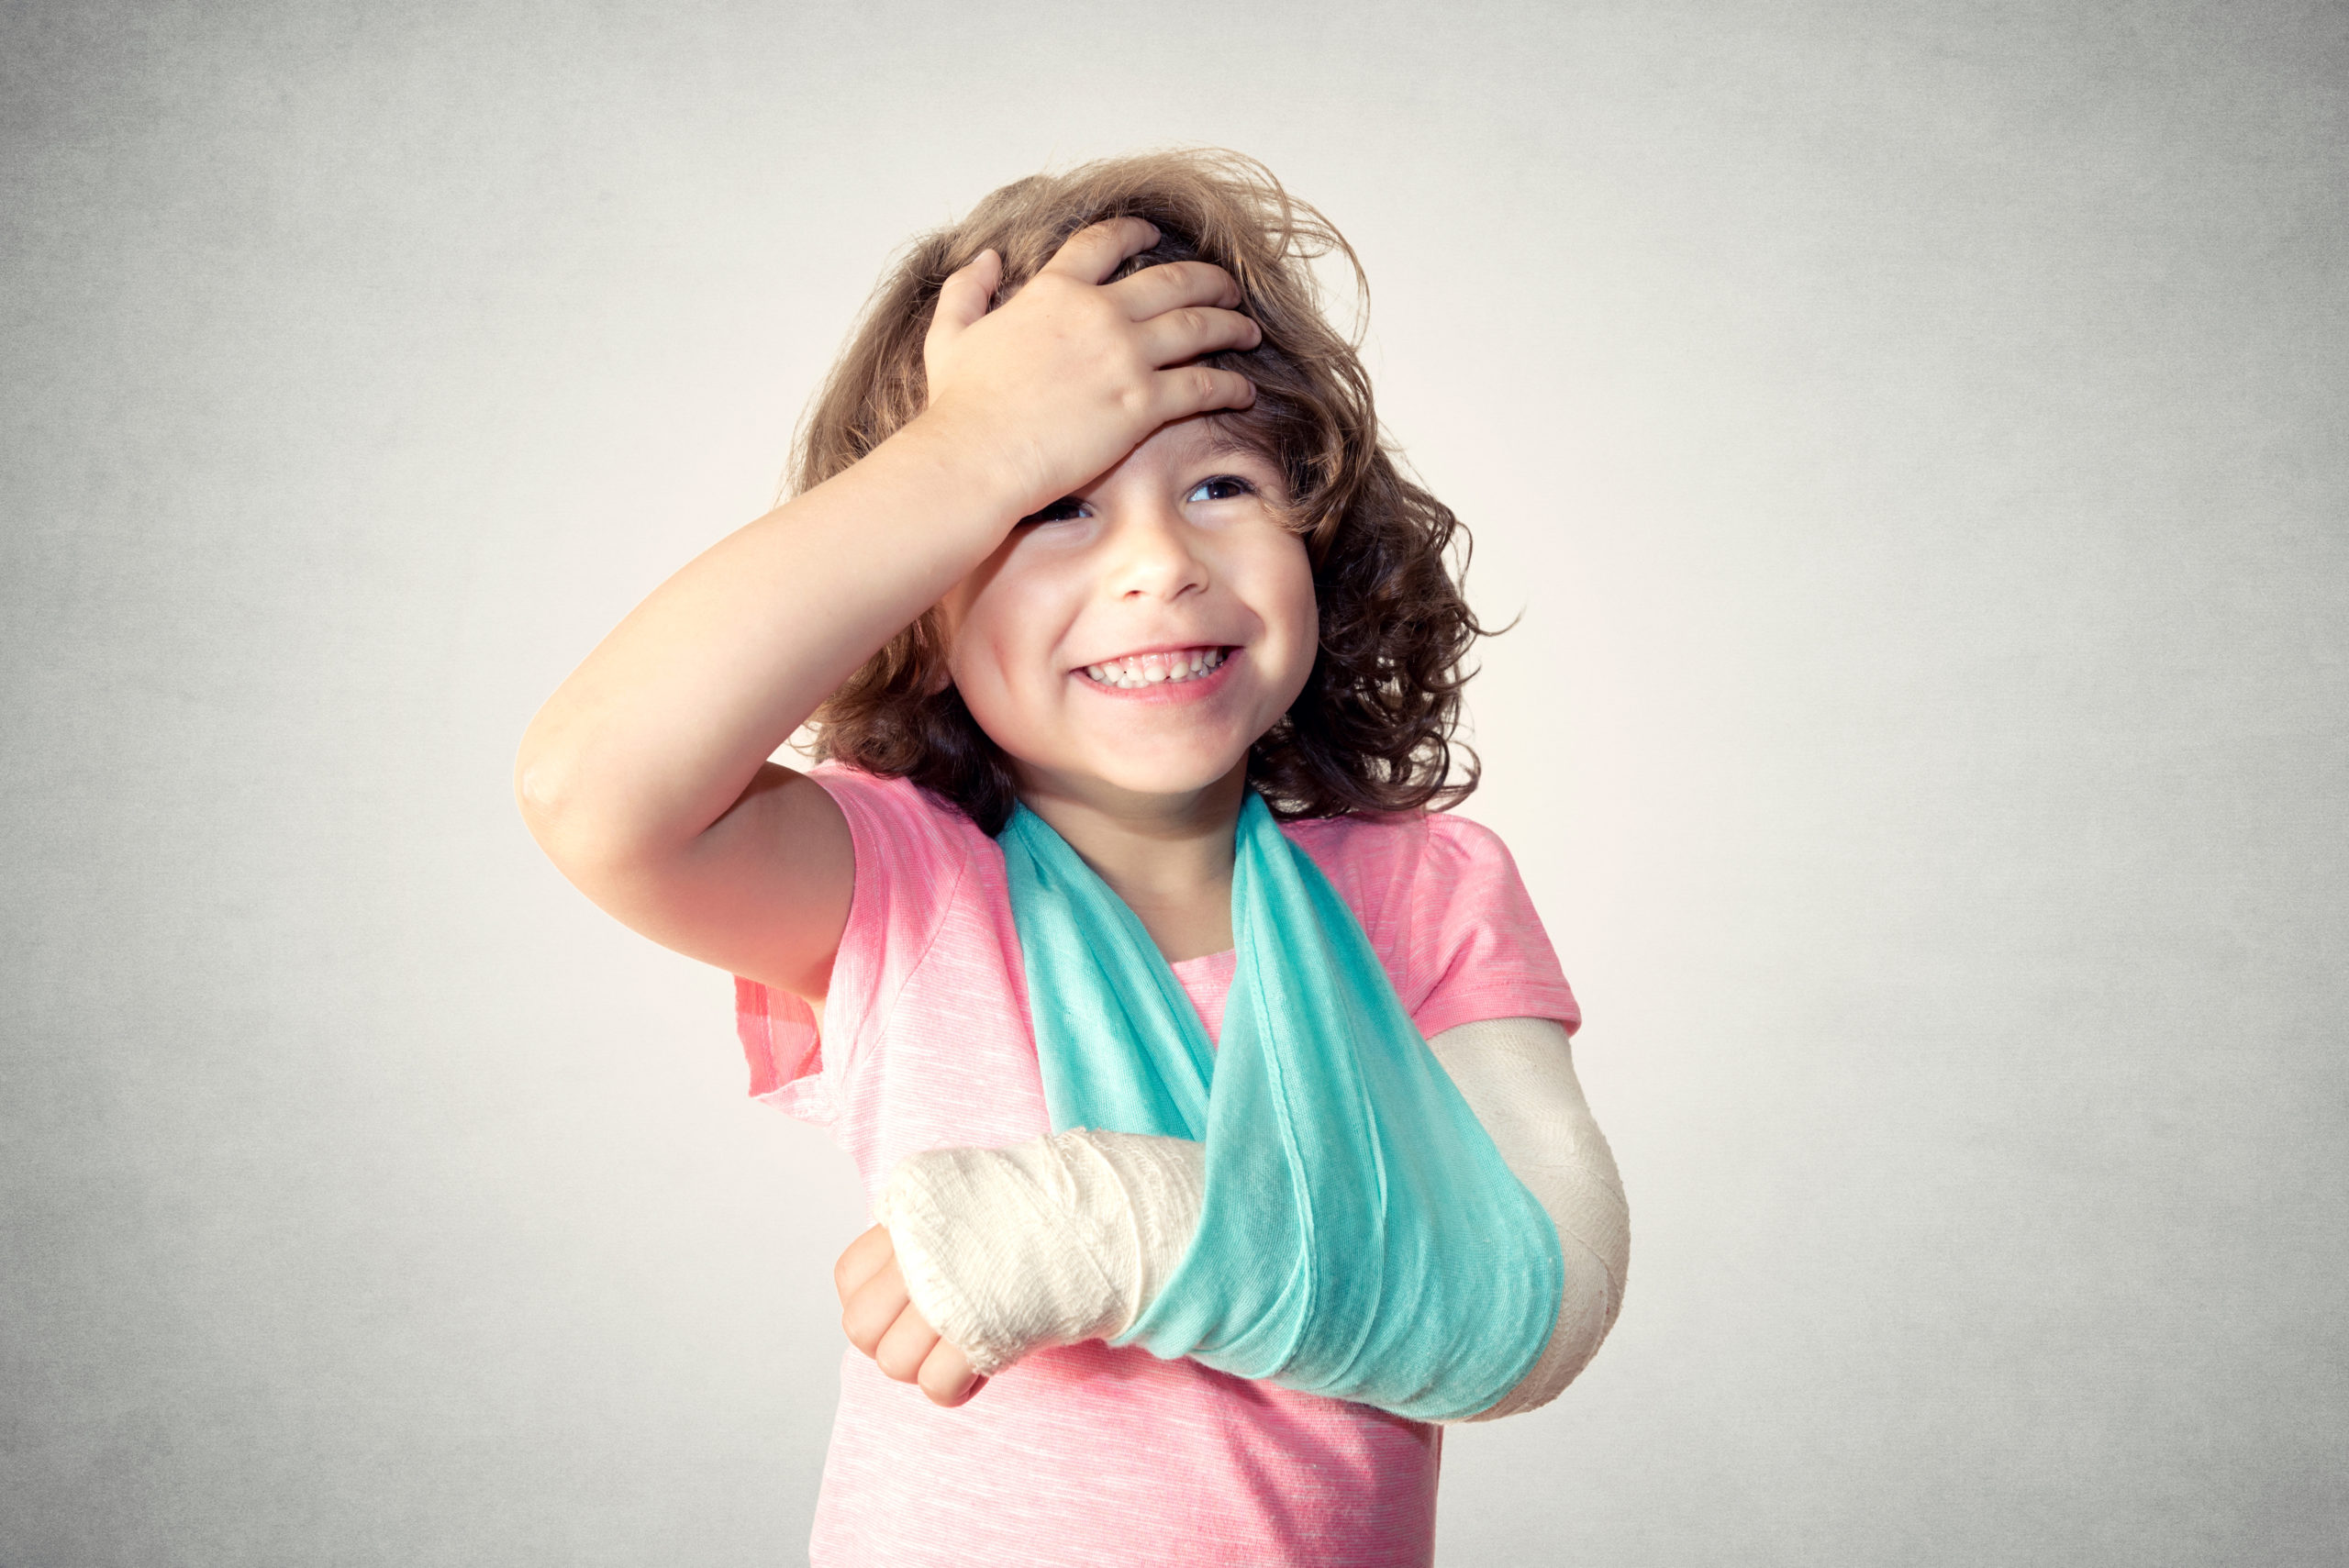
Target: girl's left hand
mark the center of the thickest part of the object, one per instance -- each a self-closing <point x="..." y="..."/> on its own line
<point x="883" y="1323"/>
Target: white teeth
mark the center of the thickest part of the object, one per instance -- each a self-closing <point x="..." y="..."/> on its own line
<point x="1128" y="674"/>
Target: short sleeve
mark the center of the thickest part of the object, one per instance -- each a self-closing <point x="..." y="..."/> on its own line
<point x="1476" y="948"/>
<point x="911" y="853"/>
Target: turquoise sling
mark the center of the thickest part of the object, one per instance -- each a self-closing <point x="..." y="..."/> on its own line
<point x="1361" y="1237"/>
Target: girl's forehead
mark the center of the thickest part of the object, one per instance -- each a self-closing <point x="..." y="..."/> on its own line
<point x="1206" y="436"/>
<point x="1186" y="443"/>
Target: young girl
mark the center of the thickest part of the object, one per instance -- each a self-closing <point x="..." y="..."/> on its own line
<point x="1096" y="570"/>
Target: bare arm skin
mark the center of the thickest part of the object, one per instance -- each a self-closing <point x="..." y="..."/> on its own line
<point x="645" y="776"/>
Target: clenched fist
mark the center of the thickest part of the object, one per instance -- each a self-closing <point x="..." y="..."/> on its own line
<point x="883" y="1322"/>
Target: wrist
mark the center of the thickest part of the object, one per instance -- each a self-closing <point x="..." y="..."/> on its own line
<point x="1001" y="480"/>
<point x="1058" y="1239"/>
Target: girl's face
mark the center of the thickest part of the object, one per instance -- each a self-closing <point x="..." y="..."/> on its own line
<point x="1134" y="638"/>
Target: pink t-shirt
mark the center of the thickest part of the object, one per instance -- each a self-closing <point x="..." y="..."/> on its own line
<point x="1085" y="1454"/>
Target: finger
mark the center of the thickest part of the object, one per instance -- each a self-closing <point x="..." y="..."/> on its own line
<point x="906" y="1346"/>
<point x="1172" y="285"/>
<point x="1196" y="389"/>
<point x="1193" y="331"/>
<point x="946" y="1375"/>
<point x="874" y="1309"/>
<point x="963" y="297"/>
<point x="864" y="1258"/>
<point x="1094" y="251"/>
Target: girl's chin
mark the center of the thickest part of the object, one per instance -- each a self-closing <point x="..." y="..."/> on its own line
<point x="1163" y="775"/>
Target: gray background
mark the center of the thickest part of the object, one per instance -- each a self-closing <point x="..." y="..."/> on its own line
<point x="1913" y="433"/>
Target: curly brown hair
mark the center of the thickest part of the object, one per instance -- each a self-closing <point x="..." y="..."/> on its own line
<point x="1373" y="730"/>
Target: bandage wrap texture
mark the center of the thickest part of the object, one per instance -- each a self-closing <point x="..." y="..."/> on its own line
<point x="1047" y="1243"/>
<point x="1518" y="1075"/>
<point x="1068" y="1238"/>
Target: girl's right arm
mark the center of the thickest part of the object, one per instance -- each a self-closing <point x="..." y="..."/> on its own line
<point x="646" y="776"/>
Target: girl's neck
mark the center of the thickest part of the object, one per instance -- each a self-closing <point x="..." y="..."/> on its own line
<point x="1169" y="857"/>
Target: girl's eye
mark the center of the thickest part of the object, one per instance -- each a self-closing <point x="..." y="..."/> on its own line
<point x="1222" y="487"/>
<point x="1063" y="510"/>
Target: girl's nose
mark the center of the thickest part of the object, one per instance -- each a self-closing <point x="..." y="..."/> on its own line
<point x="1153" y="553"/>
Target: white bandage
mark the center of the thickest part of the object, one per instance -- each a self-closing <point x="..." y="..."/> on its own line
<point x="1047" y="1243"/>
<point x="1068" y="1238"/>
<point x="1518" y="1075"/>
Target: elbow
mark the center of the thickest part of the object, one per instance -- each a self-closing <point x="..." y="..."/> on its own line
<point x="1587" y="1309"/>
<point x="1595" y="1246"/>
<point x="1593" y="1294"/>
<point x="561" y="814"/>
<point x="1593" y="1233"/>
<point x="542" y="789"/>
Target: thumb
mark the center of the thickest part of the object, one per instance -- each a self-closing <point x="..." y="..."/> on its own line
<point x="963" y="297"/>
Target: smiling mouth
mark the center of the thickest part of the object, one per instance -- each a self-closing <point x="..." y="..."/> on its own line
<point x="1157" y="669"/>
